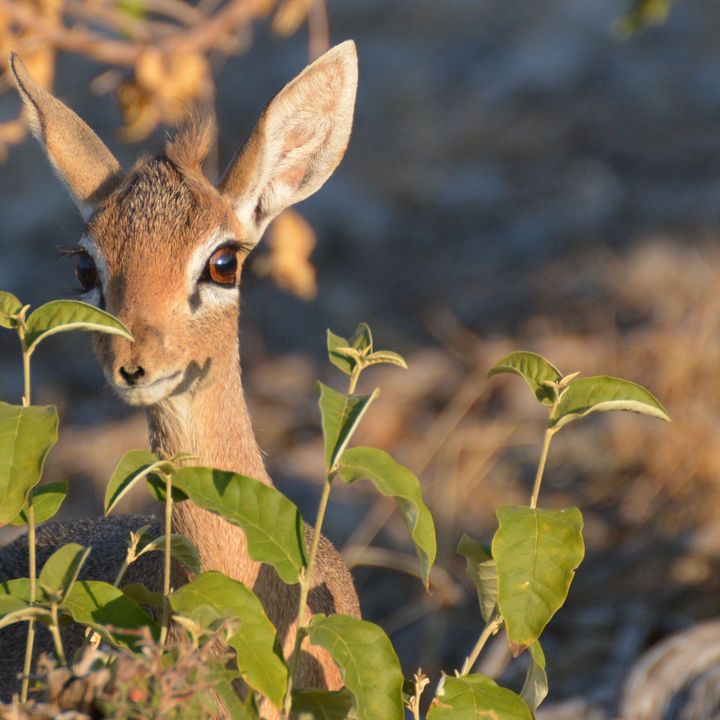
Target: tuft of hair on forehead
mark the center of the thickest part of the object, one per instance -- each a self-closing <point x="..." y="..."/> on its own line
<point x="192" y="143"/>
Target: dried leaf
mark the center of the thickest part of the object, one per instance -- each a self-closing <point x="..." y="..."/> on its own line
<point x="291" y="241"/>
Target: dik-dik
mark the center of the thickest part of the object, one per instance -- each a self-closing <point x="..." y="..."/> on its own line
<point x="162" y="250"/>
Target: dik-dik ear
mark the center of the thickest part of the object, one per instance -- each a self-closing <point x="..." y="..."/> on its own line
<point x="298" y="142"/>
<point x="80" y="158"/>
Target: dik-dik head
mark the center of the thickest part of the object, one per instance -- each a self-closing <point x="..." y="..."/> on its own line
<point x="163" y="248"/>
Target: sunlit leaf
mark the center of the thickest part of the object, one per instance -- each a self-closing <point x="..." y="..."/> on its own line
<point x="47" y="500"/>
<point x="258" y="654"/>
<point x="133" y="466"/>
<point x="272" y="524"/>
<point x="367" y="661"/>
<point x="61" y="570"/>
<point x="339" y="359"/>
<point x="341" y="350"/>
<point x="481" y="569"/>
<point x="66" y="315"/>
<point x="236" y="708"/>
<point x="604" y="393"/>
<point x="26" y="436"/>
<point x="9" y="306"/>
<point x="15" y="611"/>
<point x="643" y="14"/>
<point x="316" y="704"/>
<point x="109" y="612"/>
<point x="385" y="357"/>
<point x="535" y="688"/>
<point x="19" y="588"/>
<point x="10" y="603"/>
<point x="534" y="369"/>
<point x="181" y="549"/>
<point x="362" y="339"/>
<point x="476" y="697"/>
<point x="394" y="480"/>
<point x="341" y="415"/>
<point x="537" y="553"/>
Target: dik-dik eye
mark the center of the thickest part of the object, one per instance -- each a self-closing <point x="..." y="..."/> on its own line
<point x="222" y="267"/>
<point x="86" y="272"/>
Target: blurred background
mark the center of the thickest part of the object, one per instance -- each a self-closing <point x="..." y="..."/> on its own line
<point x="522" y="175"/>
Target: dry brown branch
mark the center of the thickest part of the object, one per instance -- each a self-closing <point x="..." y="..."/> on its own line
<point x="160" y="47"/>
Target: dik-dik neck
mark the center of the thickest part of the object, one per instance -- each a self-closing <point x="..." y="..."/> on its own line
<point x="210" y="421"/>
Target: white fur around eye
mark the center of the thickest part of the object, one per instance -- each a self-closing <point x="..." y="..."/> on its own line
<point x="211" y="295"/>
<point x="216" y="296"/>
<point x="92" y="298"/>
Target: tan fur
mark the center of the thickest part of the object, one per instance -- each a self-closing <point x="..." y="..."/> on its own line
<point x="146" y="233"/>
<point x="79" y="157"/>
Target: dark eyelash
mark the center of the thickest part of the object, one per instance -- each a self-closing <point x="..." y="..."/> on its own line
<point x="233" y="244"/>
<point x="71" y="250"/>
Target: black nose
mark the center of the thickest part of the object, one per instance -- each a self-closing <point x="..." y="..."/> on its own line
<point x="132" y="375"/>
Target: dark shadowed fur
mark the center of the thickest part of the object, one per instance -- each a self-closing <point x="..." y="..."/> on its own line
<point x="108" y="538"/>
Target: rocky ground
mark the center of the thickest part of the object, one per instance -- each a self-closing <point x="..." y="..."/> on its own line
<point x="518" y="177"/>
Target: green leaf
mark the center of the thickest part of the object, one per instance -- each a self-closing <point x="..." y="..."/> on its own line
<point x="156" y="486"/>
<point x="341" y="415"/>
<point x="385" y="356"/>
<point x="259" y="657"/>
<point x="9" y="306"/>
<point x="26" y="436"/>
<point x="394" y="480"/>
<point x="367" y="661"/>
<point x="643" y="14"/>
<point x="136" y="9"/>
<point x="109" y="612"/>
<point x="133" y="466"/>
<point x="61" y="570"/>
<point x="476" y="697"/>
<point x="362" y="339"/>
<point x="535" y="688"/>
<point x="272" y="524"/>
<point x="603" y="393"/>
<point x="481" y="569"/>
<point x="534" y="369"/>
<point x="47" y="500"/>
<point x="236" y="708"/>
<point x="9" y="603"/>
<point x="537" y="553"/>
<point x="138" y="593"/>
<point x="65" y="315"/>
<point x="18" y="588"/>
<point x="338" y="359"/>
<point x="316" y="704"/>
<point x="181" y="549"/>
<point x="16" y="611"/>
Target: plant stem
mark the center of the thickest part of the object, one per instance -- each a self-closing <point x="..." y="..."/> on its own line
<point x="354" y="378"/>
<point x="55" y="631"/>
<point x="26" y="379"/>
<point x="168" y="559"/>
<point x="541" y="467"/>
<point x="491" y="627"/>
<point x="121" y="572"/>
<point x="305" y="582"/>
<point x="27" y="666"/>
